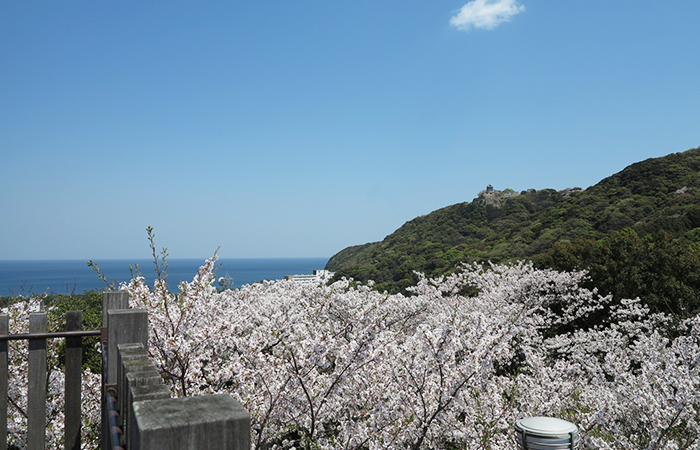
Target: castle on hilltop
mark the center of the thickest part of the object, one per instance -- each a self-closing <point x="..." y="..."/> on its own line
<point x="496" y="198"/>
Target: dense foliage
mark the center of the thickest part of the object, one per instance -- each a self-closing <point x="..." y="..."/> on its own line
<point x="663" y="271"/>
<point x="650" y="197"/>
<point x="90" y="303"/>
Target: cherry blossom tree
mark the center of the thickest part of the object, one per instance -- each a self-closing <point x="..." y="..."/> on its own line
<point x="451" y="365"/>
<point x="346" y="367"/>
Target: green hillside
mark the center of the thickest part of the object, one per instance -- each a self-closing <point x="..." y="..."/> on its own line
<point x="656" y="200"/>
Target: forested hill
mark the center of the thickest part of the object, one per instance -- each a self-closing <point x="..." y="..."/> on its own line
<point x="650" y="200"/>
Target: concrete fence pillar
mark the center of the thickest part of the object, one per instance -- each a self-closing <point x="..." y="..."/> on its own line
<point x="126" y="353"/>
<point x="150" y="419"/>
<point x="113" y="300"/>
<point x="121" y="325"/>
<point x="191" y="423"/>
<point x="125" y="326"/>
<point x="141" y="393"/>
<point x="136" y="370"/>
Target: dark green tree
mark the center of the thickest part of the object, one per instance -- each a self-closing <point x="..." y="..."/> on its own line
<point x="662" y="271"/>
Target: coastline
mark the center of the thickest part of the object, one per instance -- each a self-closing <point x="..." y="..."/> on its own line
<point x="24" y="277"/>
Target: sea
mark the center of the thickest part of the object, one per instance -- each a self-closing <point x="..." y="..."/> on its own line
<point x="27" y="277"/>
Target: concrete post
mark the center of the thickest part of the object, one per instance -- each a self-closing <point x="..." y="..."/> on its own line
<point x="190" y="423"/>
<point x="113" y="300"/>
<point x="135" y="371"/>
<point x="138" y="394"/>
<point x="125" y="326"/>
<point x="144" y="377"/>
<point x="127" y="352"/>
<point x="122" y="326"/>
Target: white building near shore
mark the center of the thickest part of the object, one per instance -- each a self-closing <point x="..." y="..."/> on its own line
<point x="318" y="277"/>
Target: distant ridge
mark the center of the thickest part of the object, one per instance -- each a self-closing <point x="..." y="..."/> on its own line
<point x="657" y="195"/>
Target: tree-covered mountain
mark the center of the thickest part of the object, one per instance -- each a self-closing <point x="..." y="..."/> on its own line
<point x="653" y="204"/>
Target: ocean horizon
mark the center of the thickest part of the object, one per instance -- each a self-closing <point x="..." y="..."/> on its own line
<point x="25" y="277"/>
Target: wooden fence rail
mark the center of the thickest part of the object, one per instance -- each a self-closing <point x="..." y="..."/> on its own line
<point x="36" y="393"/>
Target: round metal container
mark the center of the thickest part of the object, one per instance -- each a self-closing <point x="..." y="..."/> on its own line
<point x="546" y="433"/>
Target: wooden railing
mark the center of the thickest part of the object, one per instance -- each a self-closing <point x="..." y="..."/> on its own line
<point x="37" y="380"/>
<point x="137" y="410"/>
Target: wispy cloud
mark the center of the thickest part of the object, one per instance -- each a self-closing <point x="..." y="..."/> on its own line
<point x="485" y="14"/>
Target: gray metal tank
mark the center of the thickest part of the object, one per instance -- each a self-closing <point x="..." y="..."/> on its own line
<point x="546" y="433"/>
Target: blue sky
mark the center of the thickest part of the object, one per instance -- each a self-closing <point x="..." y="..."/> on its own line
<point x="297" y="128"/>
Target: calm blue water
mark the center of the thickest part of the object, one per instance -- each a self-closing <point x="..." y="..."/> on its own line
<point x="74" y="276"/>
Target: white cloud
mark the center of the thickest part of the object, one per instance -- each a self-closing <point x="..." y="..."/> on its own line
<point x="485" y="14"/>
